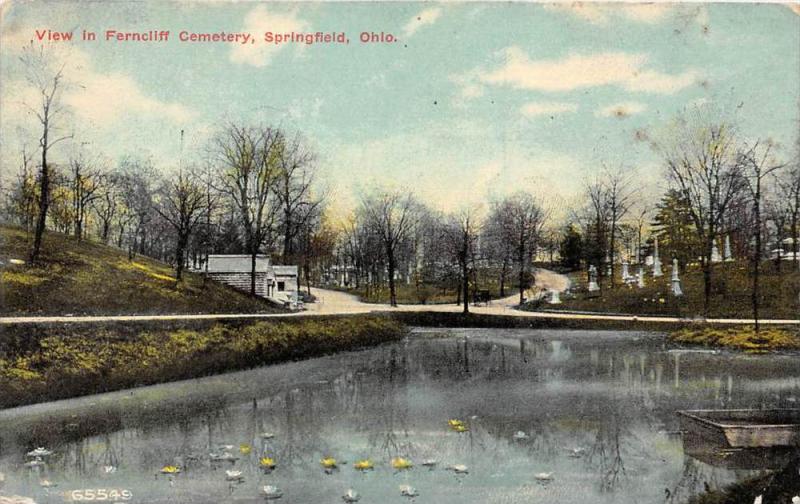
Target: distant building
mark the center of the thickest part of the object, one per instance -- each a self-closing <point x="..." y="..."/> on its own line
<point x="278" y="283"/>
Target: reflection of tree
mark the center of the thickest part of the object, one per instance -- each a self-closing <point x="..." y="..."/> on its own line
<point x="391" y="419"/>
<point x="607" y="451"/>
<point x="692" y="481"/>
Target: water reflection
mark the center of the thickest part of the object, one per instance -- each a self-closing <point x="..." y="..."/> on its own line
<point x="596" y="410"/>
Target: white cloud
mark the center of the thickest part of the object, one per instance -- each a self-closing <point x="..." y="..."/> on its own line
<point x="533" y="109"/>
<point x="602" y="14"/>
<point x="90" y="95"/>
<point x="258" y="21"/>
<point x="449" y="165"/>
<point x="650" y="81"/>
<point x="645" y="12"/>
<point x="425" y="17"/>
<point x="621" y="110"/>
<point x="577" y="71"/>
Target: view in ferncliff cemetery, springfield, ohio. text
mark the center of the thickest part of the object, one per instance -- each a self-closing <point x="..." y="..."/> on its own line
<point x="387" y="252"/>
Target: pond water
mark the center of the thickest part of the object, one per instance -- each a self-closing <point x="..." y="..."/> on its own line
<point x="595" y="409"/>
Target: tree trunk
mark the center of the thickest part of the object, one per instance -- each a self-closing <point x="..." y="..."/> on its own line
<point x="180" y="249"/>
<point x="612" y="247"/>
<point x="503" y="274"/>
<point x="521" y="276"/>
<point x="707" y="279"/>
<point x="757" y="252"/>
<point x="391" y="265"/>
<point x="465" y="279"/>
<point x="253" y="254"/>
<point x="44" y="203"/>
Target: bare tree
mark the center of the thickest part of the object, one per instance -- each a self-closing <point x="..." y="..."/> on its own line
<point x="293" y="191"/>
<point x="596" y="224"/>
<point x="619" y="194"/>
<point x="106" y="205"/>
<point x="251" y="163"/>
<point x="86" y="181"/>
<point x="703" y="166"/>
<point x="46" y="76"/>
<point x="461" y="233"/>
<point x="789" y="194"/>
<point x="22" y="198"/>
<point x="495" y="247"/>
<point x="181" y="202"/>
<point x="757" y="165"/>
<point x="523" y="222"/>
<point x="391" y="215"/>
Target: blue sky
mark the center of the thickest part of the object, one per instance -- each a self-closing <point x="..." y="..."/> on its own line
<point x="474" y="100"/>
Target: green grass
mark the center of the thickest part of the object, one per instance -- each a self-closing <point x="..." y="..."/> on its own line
<point x="65" y="360"/>
<point x="730" y="294"/>
<point x="86" y="278"/>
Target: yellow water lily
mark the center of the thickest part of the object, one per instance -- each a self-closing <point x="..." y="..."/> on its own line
<point x="458" y="425"/>
<point x="400" y="463"/>
<point x="364" y="465"/>
<point x="267" y="462"/>
<point x="170" y="469"/>
<point x="328" y="463"/>
<point x="245" y="449"/>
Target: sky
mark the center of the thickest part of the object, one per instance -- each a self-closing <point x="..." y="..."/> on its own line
<point x="472" y="101"/>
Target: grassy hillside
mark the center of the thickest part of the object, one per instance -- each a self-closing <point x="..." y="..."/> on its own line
<point x="85" y="278"/>
<point x="730" y="295"/>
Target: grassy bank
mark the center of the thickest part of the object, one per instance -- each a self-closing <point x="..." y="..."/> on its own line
<point x="68" y="360"/>
<point x="730" y="296"/>
<point x="739" y="338"/>
<point x="86" y="278"/>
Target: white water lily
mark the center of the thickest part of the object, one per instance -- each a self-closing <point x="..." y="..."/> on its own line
<point x="408" y="491"/>
<point x="40" y="452"/>
<point x="429" y="463"/>
<point x="459" y="469"/>
<point x="520" y="436"/>
<point x="16" y="499"/>
<point x="234" y="476"/>
<point x="223" y="457"/>
<point x="267" y="435"/>
<point x="37" y="462"/>
<point x="351" y="496"/>
<point x="543" y="476"/>
<point x="109" y="469"/>
<point x="272" y="492"/>
<point x="576" y="452"/>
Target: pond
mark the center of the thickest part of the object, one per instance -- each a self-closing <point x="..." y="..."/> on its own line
<point x="549" y="416"/>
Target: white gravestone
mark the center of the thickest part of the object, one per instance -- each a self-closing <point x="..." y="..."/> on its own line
<point x="715" y="257"/>
<point x="676" y="282"/>
<point x="593" y="279"/>
<point x="727" y="250"/>
<point x="656" y="260"/>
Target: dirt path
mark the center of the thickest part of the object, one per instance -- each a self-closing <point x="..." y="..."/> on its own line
<point x="330" y="302"/>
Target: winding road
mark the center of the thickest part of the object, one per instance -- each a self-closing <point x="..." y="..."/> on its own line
<point x="330" y="302"/>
